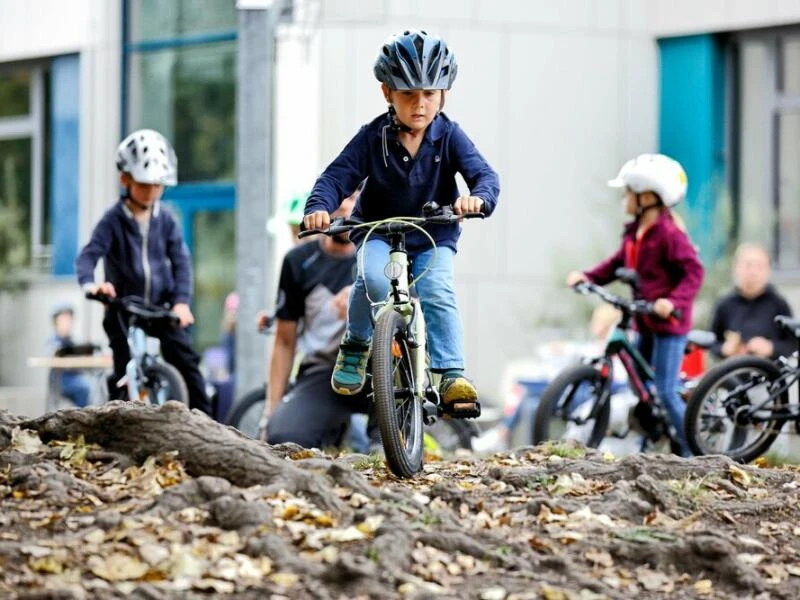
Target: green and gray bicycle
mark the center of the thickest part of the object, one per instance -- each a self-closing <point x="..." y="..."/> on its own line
<point x="404" y="390"/>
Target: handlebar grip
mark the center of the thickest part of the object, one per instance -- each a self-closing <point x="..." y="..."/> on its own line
<point x="308" y="232"/>
<point x="100" y="297"/>
<point x="477" y="215"/>
<point x="677" y="314"/>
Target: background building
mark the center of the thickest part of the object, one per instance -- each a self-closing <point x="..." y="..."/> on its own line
<point x="556" y="94"/>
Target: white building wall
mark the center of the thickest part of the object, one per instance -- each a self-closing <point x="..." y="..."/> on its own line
<point x="41" y="29"/>
<point x="556" y="94"/>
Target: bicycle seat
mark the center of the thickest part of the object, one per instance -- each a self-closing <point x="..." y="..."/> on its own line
<point x="701" y="338"/>
<point x="790" y="324"/>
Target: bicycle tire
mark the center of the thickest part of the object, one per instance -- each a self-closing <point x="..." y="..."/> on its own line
<point x="402" y="437"/>
<point x="176" y="387"/>
<point x="551" y="397"/>
<point x="709" y="383"/>
<point x="240" y="414"/>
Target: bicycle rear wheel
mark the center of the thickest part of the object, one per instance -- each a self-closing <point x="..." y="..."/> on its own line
<point x="247" y="412"/>
<point x="716" y="416"/>
<point x="397" y="409"/>
<point x="574" y="407"/>
<point x="164" y="382"/>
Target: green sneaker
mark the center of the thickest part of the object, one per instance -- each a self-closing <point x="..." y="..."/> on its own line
<point x="459" y="398"/>
<point x="350" y="372"/>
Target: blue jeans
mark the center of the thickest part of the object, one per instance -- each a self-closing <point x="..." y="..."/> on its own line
<point x="666" y="358"/>
<point x="77" y="387"/>
<point x="436" y="293"/>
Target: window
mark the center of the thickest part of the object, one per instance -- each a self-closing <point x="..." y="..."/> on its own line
<point x="766" y="70"/>
<point x="24" y="227"/>
<point x="180" y="79"/>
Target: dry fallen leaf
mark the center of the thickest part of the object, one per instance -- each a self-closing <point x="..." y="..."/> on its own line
<point x="739" y="475"/>
<point x="117" y="567"/>
<point x="284" y="579"/>
<point x="26" y="441"/>
<point x="599" y="557"/>
<point x="654" y="580"/>
<point x="553" y="593"/>
<point x="703" y="587"/>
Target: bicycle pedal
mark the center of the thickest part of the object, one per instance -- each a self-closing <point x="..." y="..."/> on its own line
<point x="462" y="410"/>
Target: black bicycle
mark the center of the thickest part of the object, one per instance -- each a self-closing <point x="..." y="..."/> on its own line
<point x="577" y="403"/>
<point x="741" y="404"/>
<point x="147" y="377"/>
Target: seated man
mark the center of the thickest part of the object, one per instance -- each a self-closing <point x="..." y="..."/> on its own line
<point x="310" y="317"/>
<point x="743" y="319"/>
<point x="74" y="385"/>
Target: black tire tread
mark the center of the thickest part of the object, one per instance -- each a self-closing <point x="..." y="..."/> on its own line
<point x="553" y="392"/>
<point x="176" y="383"/>
<point x="704" y="387"/>
<point x="397" y="458"/>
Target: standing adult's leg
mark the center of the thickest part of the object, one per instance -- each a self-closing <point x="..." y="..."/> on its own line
<point x="311" y="414"/>
<point x="176" y="347"/>
<point x="667" y="356"/>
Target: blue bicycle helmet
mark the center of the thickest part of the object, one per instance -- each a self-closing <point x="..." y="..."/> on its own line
<point x="416" y="60"/>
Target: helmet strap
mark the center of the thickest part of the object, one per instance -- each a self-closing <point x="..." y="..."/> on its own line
<point x="640" y="210"/>
<point x="397" y="125"/>
<point x="127" y="197"/>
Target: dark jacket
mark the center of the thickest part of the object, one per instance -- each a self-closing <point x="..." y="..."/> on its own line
<point x="753" y="317"/>
<point x="161" y="275"/>
<point x="401" y="185"/>
<point x="668" y="267"/>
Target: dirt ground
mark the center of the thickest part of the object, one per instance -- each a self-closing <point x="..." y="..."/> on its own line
<point x="126" y="501"/>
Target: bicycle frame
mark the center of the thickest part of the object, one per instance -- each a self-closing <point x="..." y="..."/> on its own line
<point x="399" y="299"/>
<point x="788" y="378"/>
<point x="140" y="358"/>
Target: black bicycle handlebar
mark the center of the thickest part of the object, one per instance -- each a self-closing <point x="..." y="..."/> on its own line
<point x="138" y="307"/>
<point x="639" y="307"/>
<point x="340" y="225"/>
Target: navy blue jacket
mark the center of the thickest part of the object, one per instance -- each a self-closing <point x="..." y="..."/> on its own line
<point x="167" y="272"/>
<point x="401" y="185"/>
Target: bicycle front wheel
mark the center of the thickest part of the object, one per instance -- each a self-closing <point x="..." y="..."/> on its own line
<point x="397" y="409"/>
<point x="719" y="416"/>
<point x="573" y="406"/>
<point x="164" y="382"/>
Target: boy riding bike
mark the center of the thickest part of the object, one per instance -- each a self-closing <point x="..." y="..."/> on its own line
<point x="655" y="245"/>
<point x="410" y="155"/>
<point x="144" y="255"/>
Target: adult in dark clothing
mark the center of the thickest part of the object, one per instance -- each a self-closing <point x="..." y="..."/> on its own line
<point x="743" y="320"/>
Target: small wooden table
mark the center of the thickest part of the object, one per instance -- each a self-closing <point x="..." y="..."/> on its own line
<point x="96" y="364"/>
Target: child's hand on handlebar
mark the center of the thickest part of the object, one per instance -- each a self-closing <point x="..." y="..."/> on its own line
<point x="317" y="220"/>
<point x="184" y="313"/>
<point x="663" y="308"/>
<point x="106" y="288"/>
<point x="575" y="277"/>
<point x="467" y="204"/>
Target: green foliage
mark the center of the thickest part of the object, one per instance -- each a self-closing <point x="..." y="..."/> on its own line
<point x="14" y="241"/>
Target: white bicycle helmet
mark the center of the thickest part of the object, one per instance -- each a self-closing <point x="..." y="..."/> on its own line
<point x="148" y="157"/>
<point x="656" y="173"/>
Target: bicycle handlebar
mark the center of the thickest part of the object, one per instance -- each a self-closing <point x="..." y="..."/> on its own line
<point x="138" y="307"/>
<point x="638" y="307"/>
<point x="340" y="225"/>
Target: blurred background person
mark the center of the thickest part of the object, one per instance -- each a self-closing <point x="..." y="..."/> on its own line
<point x="74" y="385"/>
<point x="743" y="320"/>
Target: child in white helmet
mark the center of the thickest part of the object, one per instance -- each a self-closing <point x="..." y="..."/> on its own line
<point x="144" y="255"/>
<point x="656" y="246"/>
